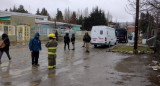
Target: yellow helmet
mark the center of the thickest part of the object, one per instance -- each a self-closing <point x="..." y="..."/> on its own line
<point x="52" y="35"/>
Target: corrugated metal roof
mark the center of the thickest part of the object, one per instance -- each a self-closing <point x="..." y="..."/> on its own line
<point x="52" y="22"/>
<point x="37" y="20"/>
<point x="6" y="13"/>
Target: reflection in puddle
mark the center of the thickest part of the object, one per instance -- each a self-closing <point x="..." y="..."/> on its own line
<point x="5" y="71"/>
<point x="35" y="83"/>
<point x="51" y="73"/>
<point x="61" y="70"/>
<point x="78" y="62"/>
<point x="7" y="84"/>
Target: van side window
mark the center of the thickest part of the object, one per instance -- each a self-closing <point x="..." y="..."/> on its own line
<point x="101" y="32"/>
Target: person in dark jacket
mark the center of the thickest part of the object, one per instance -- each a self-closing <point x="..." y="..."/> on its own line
<point x="56" y="34"/>
<point x="73" y="41"/>
<point x="66" y="41"/>
<point x="35" y="47"/>
<point x="83" y="40"/>
<point x="6" y="48"/>
<point x="87" y="40"/>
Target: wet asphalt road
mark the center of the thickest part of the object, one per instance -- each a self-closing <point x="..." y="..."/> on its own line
<point x="75" y="68"/>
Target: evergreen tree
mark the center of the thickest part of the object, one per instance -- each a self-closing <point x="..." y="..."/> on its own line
<point x="10" y="10"/>
<point x="38" y="12"/>
<point x="97" y="17"/>
<point x="21" y="9"/>
<point x="73" y="18"/>
<point x="14" y="9"/>
<point x="146" y="21"/>
<point x="6" y="9"/>
<point x="44" y="12"/>
<point x="59" y="15"/>
<point x="80" y="20"/>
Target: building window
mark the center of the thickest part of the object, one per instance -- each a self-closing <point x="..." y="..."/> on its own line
<point x="8" y="29"/>
<point x="42" y="31"/>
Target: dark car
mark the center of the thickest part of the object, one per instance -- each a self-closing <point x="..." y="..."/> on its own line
<point x="121" y="34"/>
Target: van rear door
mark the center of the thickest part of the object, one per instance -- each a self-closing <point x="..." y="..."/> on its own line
<point x="98" y="36"/>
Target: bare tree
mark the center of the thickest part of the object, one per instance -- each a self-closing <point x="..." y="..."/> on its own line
<point x="67" y="15"/>
<point x="151" y="6"/>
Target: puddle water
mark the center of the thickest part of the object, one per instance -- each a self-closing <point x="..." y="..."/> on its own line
<point x="78" y="62"/>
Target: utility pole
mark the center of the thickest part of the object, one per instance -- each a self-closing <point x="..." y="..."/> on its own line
<point x="55" y="26"/>
<point x="136" y="28"/>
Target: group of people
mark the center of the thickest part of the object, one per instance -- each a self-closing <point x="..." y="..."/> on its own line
<point x="35" y="47"/>
<point x="67" y="41"/>
<point x="86" y="40"/>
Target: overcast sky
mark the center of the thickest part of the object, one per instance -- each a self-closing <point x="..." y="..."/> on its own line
<point x="115" y="7"/>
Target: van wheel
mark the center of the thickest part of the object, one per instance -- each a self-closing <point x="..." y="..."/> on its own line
<point x="95" y="45"/>
<point x="115" y="43"/>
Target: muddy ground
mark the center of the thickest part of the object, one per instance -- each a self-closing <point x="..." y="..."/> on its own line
<point x="76" y="68"/>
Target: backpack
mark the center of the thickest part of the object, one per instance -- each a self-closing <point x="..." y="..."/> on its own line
<point x="2" y="44"/>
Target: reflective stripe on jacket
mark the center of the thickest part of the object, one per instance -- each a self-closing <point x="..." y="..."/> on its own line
<point x="52" y="46"/>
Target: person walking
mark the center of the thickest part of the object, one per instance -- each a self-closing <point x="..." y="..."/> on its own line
<point x="66" y="41"/>
<point x="35" y="47"/>
<point x="52" y="46"/>
<point x="87" y="40"/>
<point x="56" y="34"/>
<point x="73" y="41"/>
<point x="5" y="46"/>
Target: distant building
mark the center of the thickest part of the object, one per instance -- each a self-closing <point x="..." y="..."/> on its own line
<point x="131" y="28"/>
<point x="21" y="26"/>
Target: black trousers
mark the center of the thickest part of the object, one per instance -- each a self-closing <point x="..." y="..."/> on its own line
<point x="35" y="57"/>
<point x="66" y="43"/>
<point x="7" y="52"/>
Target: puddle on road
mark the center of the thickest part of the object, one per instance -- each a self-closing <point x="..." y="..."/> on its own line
<point x="86" y="67"/>
<point x="7" y="84"/>
<point x="77" y="62"/>
<point x="61" y="70"/>
<point x="35" y="83"/>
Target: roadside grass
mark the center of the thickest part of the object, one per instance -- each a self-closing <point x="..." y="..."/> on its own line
<point x="130" y="48"/>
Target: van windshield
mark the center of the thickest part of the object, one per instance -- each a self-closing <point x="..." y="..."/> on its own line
<point x="120" y="33"/>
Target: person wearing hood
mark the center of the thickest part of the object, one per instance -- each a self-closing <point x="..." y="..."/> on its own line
<point x="6" y="48"/>
<point x="35" y="47"/>
<point x="66" y="41"/>
<point x="73" y="41"/>
<point x="52" y="46"/>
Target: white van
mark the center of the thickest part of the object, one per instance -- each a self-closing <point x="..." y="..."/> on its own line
<point x="103" y="35"/>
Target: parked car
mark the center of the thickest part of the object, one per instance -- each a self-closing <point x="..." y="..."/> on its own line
<point x="121" y="34"/>
<point x="103" y="35"/>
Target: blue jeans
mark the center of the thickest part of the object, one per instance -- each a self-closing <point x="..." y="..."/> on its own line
<point x="7" y="52"/>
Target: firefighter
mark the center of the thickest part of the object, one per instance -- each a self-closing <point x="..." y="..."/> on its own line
<point x="52" y="46"/>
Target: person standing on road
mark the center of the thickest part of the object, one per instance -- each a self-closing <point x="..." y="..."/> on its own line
<point x="73" y="41"/>
<point x="56" y="34"/>
<point x="6" y="46"/>
<point x="83" y="40"/>
<point x="52" y="46"/>
<point x="87" y="40"/>
<point x="66" y="41"/>
<point x="35" y="47"/>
